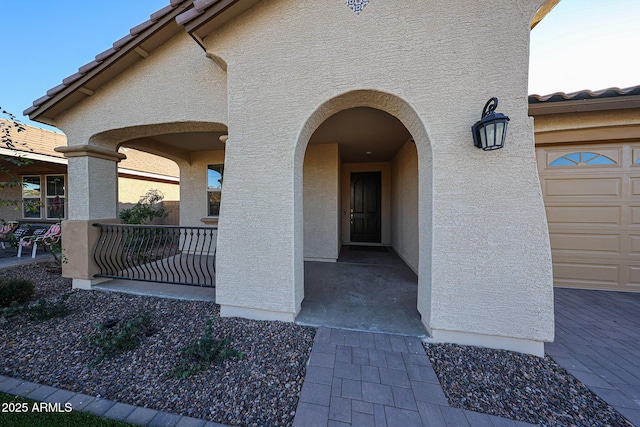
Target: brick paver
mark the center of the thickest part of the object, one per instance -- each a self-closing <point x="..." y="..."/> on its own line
<point x="597" y="336"/>
<point x="369" y="379"/>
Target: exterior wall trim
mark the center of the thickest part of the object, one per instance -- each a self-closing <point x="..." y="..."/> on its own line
<point x="90" y="151"/>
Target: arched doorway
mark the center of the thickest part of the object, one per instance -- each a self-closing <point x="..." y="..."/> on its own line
<point x="361" y="224"/>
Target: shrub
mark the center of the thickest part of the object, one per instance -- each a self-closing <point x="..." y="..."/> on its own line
<point x="120" y="338"/>
<point x="13" y="289"/>
<point x="41" y="310"/>
<point x="45" y="310"/>
<point x="145" y="210"/>
<point x="199" y="355"/>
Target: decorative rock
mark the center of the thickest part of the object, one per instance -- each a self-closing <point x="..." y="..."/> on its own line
<point x="239" y="391"/>
<point x="517" y="386"/>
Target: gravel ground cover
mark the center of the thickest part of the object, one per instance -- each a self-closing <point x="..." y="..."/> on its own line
<point x="259" y="389"/>
<point x="517" y="386"/>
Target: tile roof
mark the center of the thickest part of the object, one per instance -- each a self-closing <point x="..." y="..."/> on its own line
<point x="611" y="92"/>
<point x="43" y="141"/>
<point x="130" y="42"/>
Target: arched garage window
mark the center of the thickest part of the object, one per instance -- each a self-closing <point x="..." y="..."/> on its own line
<point x="582" y="158"/>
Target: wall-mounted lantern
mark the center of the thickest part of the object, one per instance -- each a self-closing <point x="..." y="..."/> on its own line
<point x="491" y="130"/>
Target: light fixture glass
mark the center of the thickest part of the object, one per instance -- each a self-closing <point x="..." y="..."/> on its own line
<point x="490" y="131"/>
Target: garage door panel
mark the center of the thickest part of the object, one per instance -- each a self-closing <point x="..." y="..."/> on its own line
<point x="635" y="186"/>
<point x="596" y="215"/>
<point x="590" y="187"/>
<point x="634" y="245"/>
<point x="592" y="199"/>
<point x="635" y="215"/>
<point x="569" y="243"/>
<point x="605" y="274"/>
<point x="634" y="276"/>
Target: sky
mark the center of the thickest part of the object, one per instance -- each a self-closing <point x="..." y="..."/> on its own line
<point x="581" y="44"/>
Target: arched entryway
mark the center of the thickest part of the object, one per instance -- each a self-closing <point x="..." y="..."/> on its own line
<point x="361" y="225"/>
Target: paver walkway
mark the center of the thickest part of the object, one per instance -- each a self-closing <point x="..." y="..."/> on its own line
<point x="598" y="342"/>
<point x="370" y="379"/>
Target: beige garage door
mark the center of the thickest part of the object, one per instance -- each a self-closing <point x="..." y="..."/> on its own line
<point x="592" y="197"/>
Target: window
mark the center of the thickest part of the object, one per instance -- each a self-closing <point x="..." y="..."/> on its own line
<point x="51" y="199"/>
<point x="582" y="158"/>
<point x="31" y="196"/>
<point x="55" y="195"/>
<point x="214" y="189"/>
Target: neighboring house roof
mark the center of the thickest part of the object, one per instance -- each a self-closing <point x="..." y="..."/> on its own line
<point x="39" y="144"/>
<point x="198" y="17"/>
<point x="585" y="100"/>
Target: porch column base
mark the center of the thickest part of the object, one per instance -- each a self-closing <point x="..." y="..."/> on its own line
<point x="87" y="283"/>
<point x="256" y="313"/>
<point x="519" y="345"/>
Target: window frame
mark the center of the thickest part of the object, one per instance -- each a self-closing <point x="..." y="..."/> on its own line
<point x="63" y="197"/>
<point x="211" y="190"/>
<point x="24" y="197"/>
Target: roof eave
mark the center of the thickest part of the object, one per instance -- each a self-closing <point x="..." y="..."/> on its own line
<point x="208" y="15"/>
<point x="543" y="11"/>
<point x="584" y="105"/>
<point x="78" y="87"/>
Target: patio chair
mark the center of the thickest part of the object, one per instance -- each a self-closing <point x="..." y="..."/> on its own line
<point x="40" y="236"/>
<point x="6" y="232"/>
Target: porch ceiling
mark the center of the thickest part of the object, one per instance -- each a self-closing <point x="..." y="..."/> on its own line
<point x="360" y="130"/>
<point x="187" y="141"/>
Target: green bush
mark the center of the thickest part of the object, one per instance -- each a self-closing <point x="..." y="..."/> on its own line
<point x="40" y="311"/>
<point x="145" y="210"/>
<point x="199" y="355"/>
<point x="12" y="289"/>
<point x="121" y="337"/>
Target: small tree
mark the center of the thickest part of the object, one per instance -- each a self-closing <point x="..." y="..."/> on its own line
<point x="145" y="210"/>
<point x="9" y="128"/>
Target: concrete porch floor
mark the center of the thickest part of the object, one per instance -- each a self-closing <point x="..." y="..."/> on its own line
<point x="366" y="290"/>
<point x="369" y="289"/>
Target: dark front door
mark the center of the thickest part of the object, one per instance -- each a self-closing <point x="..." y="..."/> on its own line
<point x="365" y="207"/>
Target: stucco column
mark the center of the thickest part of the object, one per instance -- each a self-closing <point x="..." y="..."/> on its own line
<point x="93" y="197"/>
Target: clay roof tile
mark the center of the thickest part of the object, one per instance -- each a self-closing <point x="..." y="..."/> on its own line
<point x="159" y="14"/>
<point x="187" y="16"/>
<point x="124" y="40"/>
<point x="141" y="27"/>
<point x="41" y="100"/>
<point x="72" y="78"/>
<point x="88" y="67"/>
<point x="584" y="94"/>
<point x="56" y="89"/>
<point x="201" y="5"/>
<point x="104" y="55"/>
<point x="30" y="110"/>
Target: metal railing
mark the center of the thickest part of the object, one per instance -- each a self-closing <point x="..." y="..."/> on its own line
<point x="165" y="254"/>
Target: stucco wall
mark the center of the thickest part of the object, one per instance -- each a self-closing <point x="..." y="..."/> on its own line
<point x="11" y="212"/>
<point x="587" y="120"/>
<point x="484" y="255"/>
<point x="176" y="83"/>
<point x="93" y="188"/>
<point x="404" y="204"/>
<point x="193" y="187"/>
<point x="385" y="203"/>
<point x="490" y="277"/>
<point x="321" y="189"/>
<point x="130" y="190"/>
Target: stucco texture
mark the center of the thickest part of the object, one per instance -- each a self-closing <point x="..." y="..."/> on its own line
<point x="483" y="256"/>
<point x="153" y="91"/>
<point x="321" y="190"/>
